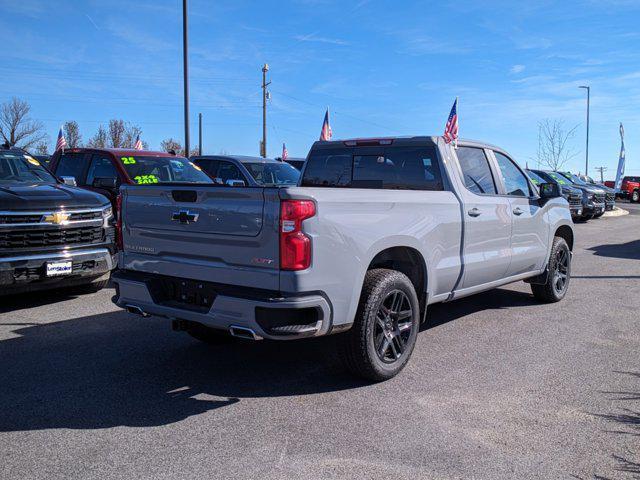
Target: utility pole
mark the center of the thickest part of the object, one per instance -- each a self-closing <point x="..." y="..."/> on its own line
<point x="185" y="59"/>
<point x="199" y="134"/>
<point x="586" y="165"/>
<point x="265" y="95"/>
<point x="601" y="170"/>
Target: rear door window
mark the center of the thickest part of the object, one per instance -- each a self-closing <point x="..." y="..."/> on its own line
<point x="476" y="171"/>
<point x="72" y="165"/>
<point x="228" y="171"/>
<point x="101" y="167"/>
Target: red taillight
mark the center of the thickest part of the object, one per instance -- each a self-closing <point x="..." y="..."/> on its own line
<point x="295" y="246"/>
<point x="119" y="243"/>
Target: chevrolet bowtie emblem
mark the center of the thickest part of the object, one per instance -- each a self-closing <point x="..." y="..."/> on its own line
<point x="185" y="216"/>
<point x="59" y="218"/>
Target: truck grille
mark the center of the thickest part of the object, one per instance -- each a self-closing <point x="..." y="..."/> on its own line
<point x="47" y="238"/>
<point x="599" y="198"/>
<point x="611" y="197"/>
<point x="18" y="219"/>
<point x="10" y="218"/>
<point x="575" y="200"/>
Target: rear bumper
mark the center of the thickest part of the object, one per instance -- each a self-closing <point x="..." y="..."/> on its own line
<point x="275" y="317"/>
<point x="28" y="272"/>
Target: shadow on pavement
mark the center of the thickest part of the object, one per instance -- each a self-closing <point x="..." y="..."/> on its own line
<point x="498" y="298"/>
<point x="630" y="250"/>
<point x="115" y="369"/>
<point x="625" y="421"/>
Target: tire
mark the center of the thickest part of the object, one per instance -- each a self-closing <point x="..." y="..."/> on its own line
<point x="387" y="321"/>
<point x="598" y="215"/>
<point x="208" y="335"/>
<point x="635" y="196"/>
<point x="559" y="272"/>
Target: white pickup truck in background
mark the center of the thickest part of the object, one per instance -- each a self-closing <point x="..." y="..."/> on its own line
<point x="375" y="231"/>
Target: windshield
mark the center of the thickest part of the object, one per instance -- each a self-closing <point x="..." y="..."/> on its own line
<point x="273" y="174"/>
<point x="24" y="169"/>
<point x="574" y="179"/>
<point x="559" y="178"/>
<point x="535" y="178"/>
<point x="148" y="169"/>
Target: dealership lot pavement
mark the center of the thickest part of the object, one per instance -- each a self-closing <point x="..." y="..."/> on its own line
<point x="498" y="387"/>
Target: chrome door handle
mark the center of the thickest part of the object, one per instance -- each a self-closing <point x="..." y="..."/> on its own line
<point x="474" y="212"/>
<point x="518" y="211"/>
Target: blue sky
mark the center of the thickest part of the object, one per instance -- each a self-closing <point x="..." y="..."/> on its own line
<point x="383" y="67"/>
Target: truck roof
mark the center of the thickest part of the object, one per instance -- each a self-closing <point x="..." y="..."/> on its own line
<point x="120" y="151"/>
<point x="398" y="140"/>
<point x="239" y="158"/>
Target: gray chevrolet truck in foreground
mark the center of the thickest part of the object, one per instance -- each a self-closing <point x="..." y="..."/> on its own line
<point x="375" y="231"/>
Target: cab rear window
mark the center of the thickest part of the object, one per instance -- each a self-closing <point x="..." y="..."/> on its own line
<point x="145" y="170"/>
<point x="390" y="168"/>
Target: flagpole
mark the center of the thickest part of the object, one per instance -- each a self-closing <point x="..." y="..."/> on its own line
<point x="455" y="145"/>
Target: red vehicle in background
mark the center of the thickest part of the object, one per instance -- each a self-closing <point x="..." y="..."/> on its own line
<point x="629" y="189"/>
<point x="103" y="170"/>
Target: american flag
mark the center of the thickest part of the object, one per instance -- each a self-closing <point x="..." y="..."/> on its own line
<point x="451" y="128"/>
<point x="285" y="153"/>
<point x="325" y="133"/>
<point x="62" y="142"/>
<point x="138" y="144"/>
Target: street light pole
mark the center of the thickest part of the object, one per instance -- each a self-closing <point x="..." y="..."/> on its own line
<point x="263" y="146"/>
<point x="586" y="165"/>
<point x="185" y="59"/>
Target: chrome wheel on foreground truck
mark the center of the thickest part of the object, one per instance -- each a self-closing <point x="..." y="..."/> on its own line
<point x="384" y="332"/>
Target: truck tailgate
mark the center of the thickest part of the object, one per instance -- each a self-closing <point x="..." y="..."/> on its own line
<point x="211" y="233"/>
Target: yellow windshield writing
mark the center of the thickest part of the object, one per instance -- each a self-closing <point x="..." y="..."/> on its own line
<point x="145" y="179"/>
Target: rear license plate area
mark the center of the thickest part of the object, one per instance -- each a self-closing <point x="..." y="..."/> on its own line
<point x="183" y="293"/>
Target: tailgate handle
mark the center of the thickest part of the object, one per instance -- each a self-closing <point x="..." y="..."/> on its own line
<point x="188" y="196"/>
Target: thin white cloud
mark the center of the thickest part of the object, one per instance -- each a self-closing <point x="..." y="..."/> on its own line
<point x="517" y="69"/>
<point x="312" y="37"/>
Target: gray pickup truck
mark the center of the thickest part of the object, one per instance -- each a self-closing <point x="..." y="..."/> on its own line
<point x="375" y="231"/>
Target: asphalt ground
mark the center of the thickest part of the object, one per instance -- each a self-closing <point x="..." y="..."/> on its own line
<point x="499" y="386"/>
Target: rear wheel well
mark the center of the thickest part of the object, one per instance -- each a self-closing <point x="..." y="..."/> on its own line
<point x="565" y="232"/>
<point x="408" y="261"/>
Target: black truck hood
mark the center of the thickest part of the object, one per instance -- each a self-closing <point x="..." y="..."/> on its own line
<point x="48" y="197"/>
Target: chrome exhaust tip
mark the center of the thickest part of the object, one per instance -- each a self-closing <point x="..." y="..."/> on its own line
<point x="136" y="310"/>
<point x="243" y="332"/>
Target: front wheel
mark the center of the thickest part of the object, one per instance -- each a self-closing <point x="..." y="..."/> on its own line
<point x="635" y="196"/>
<point x="384" y="332"/>
<point x="558" y="274"/>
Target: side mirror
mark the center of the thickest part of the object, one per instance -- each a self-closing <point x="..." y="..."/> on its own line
<point x="235" y="183"/>
<point x="549" y="190"/>
<point x="109" y="183"/>
<point x="71" y="181"/>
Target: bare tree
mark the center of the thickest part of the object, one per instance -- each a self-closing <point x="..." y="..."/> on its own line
<point x="16" y="127"/>
<point x="42" y="148"/>
<point x="553" y="144"/>
<point x="117" y="133"/>
<point x="100" y="139"/>
<point x="131" y="133"/>
<point x="72" y="134"/>
<point x="169" y="145"/>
